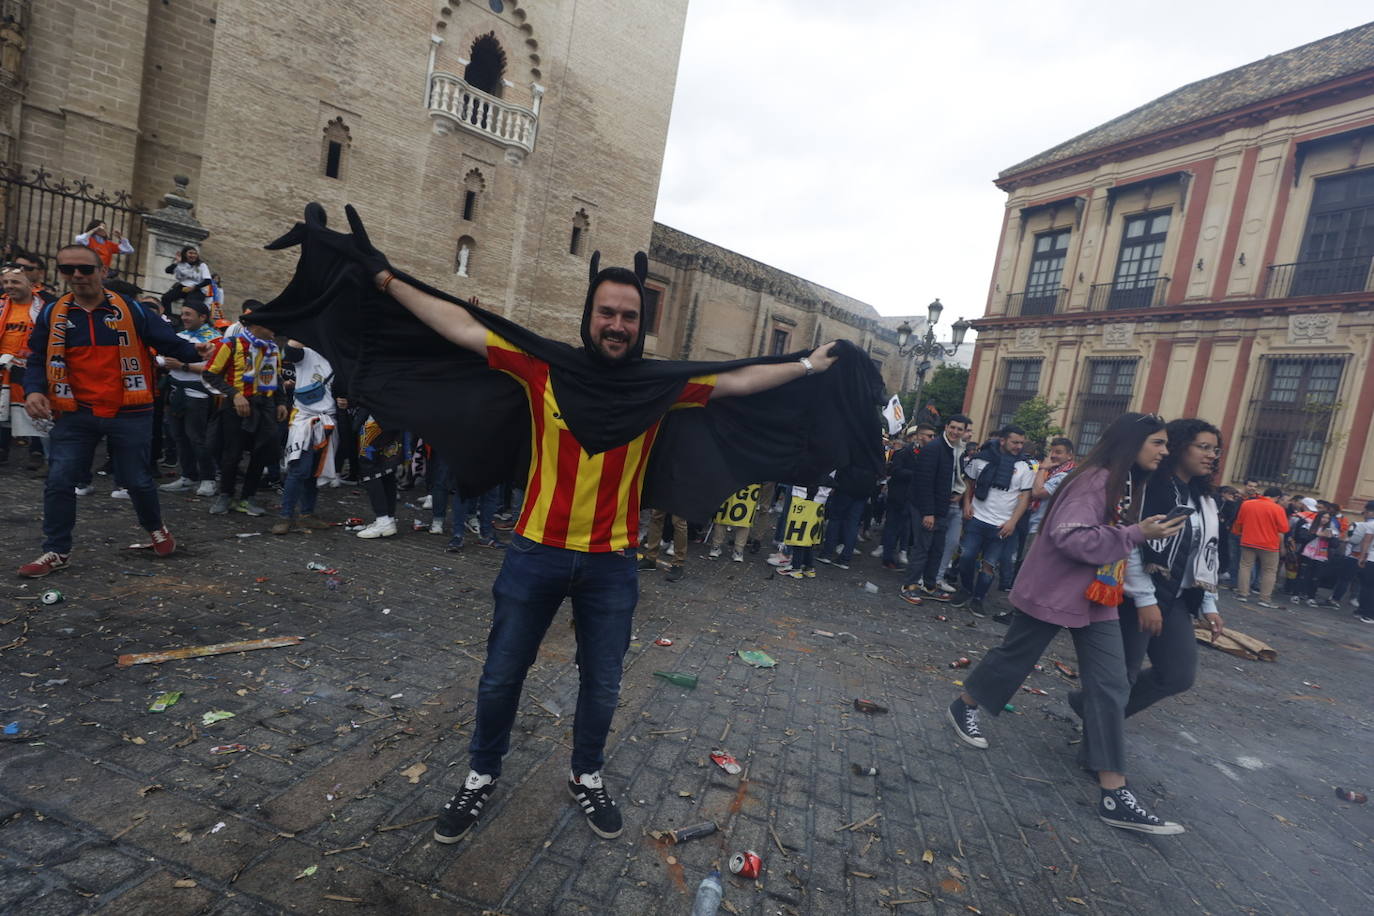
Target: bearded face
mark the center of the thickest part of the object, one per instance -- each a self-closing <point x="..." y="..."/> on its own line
<point x="614" y="325"/>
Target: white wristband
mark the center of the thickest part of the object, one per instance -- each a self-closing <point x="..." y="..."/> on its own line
<point x="806" y="364"/>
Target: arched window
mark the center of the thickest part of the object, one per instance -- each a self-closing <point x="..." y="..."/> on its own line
<point x="334" y="149"/>
<point x="473" y="186"/>
<point x="581" y="225"/>
<point x="488" y="65"/>
<point x="462" y="261"/>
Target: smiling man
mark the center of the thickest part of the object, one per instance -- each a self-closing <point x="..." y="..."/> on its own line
<point x="90" y="371"/>
<point x="575" y="536"/>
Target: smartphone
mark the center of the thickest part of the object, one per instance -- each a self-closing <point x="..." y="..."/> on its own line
<point x="1179" y="511"/>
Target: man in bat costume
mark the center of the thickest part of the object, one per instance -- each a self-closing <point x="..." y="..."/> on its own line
<point x="600" y="432"/>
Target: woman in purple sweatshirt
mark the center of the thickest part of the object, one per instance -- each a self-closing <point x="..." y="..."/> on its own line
<point x="1073" y="578"/>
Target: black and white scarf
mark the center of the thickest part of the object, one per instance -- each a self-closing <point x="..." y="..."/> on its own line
<point x="1171" y="557"/>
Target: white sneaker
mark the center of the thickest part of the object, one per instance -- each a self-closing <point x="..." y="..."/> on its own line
<point x="779" y="559"/>
<point x="383" y="527"/>
<point x="436" y="526"/>
<point x="84" y="491"/>
<point x="901" y="557"/>
<point x="335" y="482"/>
<point x="714" y="554"/>
<point x="207" y="488"/>
<point x="944" y="586"/>
<point x="120" y="493"/>
<point x="473" y="526"/>
<point x="427" y="502"/>
<point x="876" y="551"/>
<point x="180" y="485"/>
<point x="738" y="556"/>
<point x="669" y="551"/>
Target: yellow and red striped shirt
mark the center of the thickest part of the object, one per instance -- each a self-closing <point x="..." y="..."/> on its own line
<point x="574" y="500"/>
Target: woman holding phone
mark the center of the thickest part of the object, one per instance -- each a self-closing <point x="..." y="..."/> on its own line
<point x="1073" y="578"/>
<point x="1171" y="580"/>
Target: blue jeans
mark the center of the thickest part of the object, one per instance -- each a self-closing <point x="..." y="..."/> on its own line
<point x="980" y="538"/>
<point x="532" y="584"/>
<point x="71" y="449"/>
<point x="897" y="526"/>
<point x="485" y="506"/>
<point x="842" y="529"/>
<point x="301" y="488"/>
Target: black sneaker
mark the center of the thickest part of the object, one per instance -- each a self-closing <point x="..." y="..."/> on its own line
<point x="1363" y="619"/>
<point x="964" y="718"/>
<point x="464" y="809"/>
<point x="975" y="607"/>
<point x="646" y="563"/>
<point x="674" y="573"/>
<point x="960" y="598"/>
<point x="1120" y="808"/>
<point x="1002" y="617"/>
<point x="602" y="814"/>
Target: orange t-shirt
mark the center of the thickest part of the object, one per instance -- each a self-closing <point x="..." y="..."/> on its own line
<point x="1261" y="524"/>
<point x="105" y="249"/>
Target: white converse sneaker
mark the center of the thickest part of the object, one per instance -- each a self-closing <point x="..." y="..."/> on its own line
<point x="207" y="488"/>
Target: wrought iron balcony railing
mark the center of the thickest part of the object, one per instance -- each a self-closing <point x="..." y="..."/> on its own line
<point x="1138" y="294"/>
<point x="1038" y="302"/>
<point x="1319" y="278"/>
<point x="453" y="102"/>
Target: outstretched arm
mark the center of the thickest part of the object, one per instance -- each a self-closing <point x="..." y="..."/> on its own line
<point x="753" y="379"/>
<point x="451" y="322"/>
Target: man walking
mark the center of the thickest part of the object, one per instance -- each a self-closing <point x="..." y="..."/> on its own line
<point x="897" y="534"/>
<point x="998" y="491"/>
<point x="1261" y="524"/>
<point x="189" y="407"/>
<point x="935" y="505"/>
<point x="90" y="371"/>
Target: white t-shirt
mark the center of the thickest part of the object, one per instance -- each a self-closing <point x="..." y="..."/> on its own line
<point x="1000" y="504"/>
<point x="1052" y="483"/>
<point x="1357" y="536"/>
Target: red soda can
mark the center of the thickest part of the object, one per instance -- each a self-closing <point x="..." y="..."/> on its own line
<point x="960" y="663"/>
<point x="746" y="864"/>
<point x="942" y="618"/>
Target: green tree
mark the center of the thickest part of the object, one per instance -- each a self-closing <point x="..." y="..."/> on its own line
<point x="945" y="386"/>
<point x="1036" y="417"/>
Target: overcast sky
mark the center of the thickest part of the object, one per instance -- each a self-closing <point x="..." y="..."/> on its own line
<point x="854" y="144"/>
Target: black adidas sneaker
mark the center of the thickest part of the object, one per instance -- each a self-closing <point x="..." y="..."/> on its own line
<point x="602" y="814"/>
<point x="464" y="809"/>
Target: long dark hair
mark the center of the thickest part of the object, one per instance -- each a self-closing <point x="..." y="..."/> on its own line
<point x="1115" y="452"/>
<point x="1183" y="433"/>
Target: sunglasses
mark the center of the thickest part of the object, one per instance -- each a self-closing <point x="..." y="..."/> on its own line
<point x="67" y="270"/>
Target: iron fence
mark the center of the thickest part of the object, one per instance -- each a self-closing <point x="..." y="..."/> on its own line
<point x="1137" y="294"/>
<point x="1319" y="278"/>
<point x="1288" y="427"/>
<point x="42" y="213"/>
<point x="1038" y="302"/>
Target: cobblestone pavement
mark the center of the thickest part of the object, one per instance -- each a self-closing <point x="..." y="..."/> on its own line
<point x="358" y="735"/>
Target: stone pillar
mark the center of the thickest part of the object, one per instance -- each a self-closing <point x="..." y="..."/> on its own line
<point x="171" y="227"/>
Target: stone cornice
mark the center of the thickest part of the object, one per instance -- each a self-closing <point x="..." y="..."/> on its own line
<point x="1347" y="302"/>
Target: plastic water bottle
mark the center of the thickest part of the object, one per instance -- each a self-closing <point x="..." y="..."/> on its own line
<point x="708" y="895"/>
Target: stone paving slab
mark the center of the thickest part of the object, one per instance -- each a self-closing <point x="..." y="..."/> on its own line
<point x="358" y="735"/>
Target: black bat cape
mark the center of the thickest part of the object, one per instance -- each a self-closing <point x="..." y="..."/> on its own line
<point x="409" y="377"/>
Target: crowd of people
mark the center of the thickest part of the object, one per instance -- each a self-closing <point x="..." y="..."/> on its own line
<point x="1124" y="547"/>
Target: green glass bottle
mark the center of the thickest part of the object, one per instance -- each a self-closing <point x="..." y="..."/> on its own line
<point x="682" y="680"/>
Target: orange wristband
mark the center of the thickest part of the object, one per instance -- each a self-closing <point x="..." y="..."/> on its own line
<point x="387" y="282"/>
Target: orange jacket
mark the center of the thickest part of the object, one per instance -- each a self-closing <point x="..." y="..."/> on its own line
<point x="1261" y="524"/>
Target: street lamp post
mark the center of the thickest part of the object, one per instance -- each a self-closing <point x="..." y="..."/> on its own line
<point x="925" y="347"/>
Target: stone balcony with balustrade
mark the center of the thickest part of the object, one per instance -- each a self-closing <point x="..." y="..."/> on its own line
<point x="454" y="103"/>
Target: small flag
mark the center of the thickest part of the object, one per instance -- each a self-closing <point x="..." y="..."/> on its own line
<point x="893" y="414"/>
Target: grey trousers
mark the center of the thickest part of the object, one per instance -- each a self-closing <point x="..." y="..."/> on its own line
<point x="1101" y="665"/>
<point x="1173" y="653"/>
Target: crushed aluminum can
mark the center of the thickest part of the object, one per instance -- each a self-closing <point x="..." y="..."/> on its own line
<point x="862" y="770"/>
<point x="52" y="596"/>
<point x="228" y="748"/>
<point x="1035" y="690"/>
<point x="942" y="618"/>
<point x="726" y="762"/>
<point x="746" y="864"/>
<point x="316" y="566"/>
<point x="661" y="641"/>
<point x="960" y="662"/>
<point x="1065" y="670"/>
<point x="1351" y="795"/>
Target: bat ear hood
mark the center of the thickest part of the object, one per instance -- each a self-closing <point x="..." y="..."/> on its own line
<point x="598" y="275"/>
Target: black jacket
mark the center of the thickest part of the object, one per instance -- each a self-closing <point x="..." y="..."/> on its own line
<point x="933" y="478"/>
<point x="900" y="471"/>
